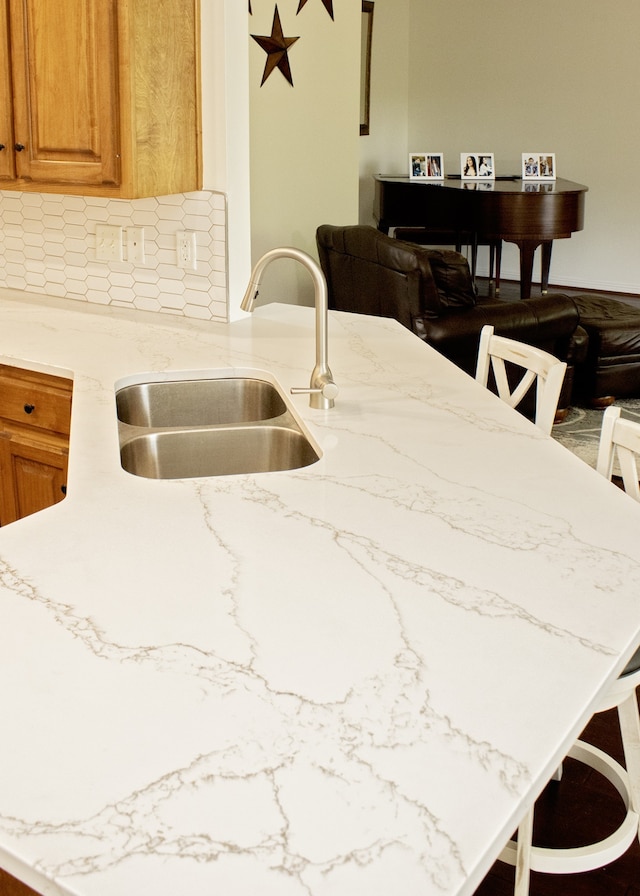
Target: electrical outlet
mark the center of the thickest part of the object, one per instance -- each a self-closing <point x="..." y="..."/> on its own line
<point x="186" y="249"/>
<point x="108" y="242"/>
<point x="135" y="245"/>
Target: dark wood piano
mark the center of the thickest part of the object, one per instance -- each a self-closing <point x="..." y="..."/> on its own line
<point x="527" y="213"/>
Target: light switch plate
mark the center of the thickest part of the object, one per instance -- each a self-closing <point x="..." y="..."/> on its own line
<point x="108" y="242"/>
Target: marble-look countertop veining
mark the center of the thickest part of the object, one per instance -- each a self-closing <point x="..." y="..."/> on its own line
<point x="348" y="678"/>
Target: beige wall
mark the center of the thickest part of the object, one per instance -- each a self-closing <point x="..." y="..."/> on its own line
<point x="304" y="139"/>
<point x="558" y="80"/>
<point x="385" y="149"/>
<point x="558" y="77"/>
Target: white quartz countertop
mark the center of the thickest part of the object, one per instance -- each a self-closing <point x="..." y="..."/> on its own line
<point x="348" y="678"/>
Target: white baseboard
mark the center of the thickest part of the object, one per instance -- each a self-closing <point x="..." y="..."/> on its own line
<point x="570" y="282"/>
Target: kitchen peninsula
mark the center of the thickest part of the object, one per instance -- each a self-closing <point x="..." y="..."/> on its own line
<point x="349" y="678"/>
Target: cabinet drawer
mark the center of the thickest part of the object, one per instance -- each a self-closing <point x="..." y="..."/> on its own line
<point x="35" y="399"/>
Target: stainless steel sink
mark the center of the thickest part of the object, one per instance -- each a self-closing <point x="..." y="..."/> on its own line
<point x="183" y="454"/>
<point x="199" y="402"/>
<point x="192" y="427"/>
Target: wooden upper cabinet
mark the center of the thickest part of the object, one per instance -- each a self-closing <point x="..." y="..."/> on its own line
<point x="7" y="169"/>
<point x="64" y="91"/>
<point x="105" y="96"/>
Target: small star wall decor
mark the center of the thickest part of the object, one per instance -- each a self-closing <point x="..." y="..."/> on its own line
<point x="328" y="5"/>
<point x="276" y="46"/>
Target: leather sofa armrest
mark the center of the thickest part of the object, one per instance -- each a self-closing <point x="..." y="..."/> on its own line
<point x="368" y="272"/>
<point x="548" y="322"/>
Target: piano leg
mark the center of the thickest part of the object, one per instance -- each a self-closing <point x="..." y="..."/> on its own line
<point x="474" y="257"/>
<point x="527" y="251"/>
<point x="495" y="257"/>
<point x="545" y="265"/>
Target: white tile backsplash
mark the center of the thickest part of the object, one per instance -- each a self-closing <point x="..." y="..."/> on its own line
<point x="48" y="246"/>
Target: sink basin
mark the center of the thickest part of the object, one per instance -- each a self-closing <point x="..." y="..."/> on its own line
<point x="199" y="402"/>
<point x="213" y="426"/>
<point x="187" y="453"/>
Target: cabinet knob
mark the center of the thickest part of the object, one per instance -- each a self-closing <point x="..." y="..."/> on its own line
<point x="29" y="408"/>
<point x="19" y="147"/>
<point x="63" y="489"/>
<point x="2" y="146"/>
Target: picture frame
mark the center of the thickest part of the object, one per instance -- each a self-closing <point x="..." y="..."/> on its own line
<point x="426" y="166"/>
<point x="477" y="166"/>
<point x="538" y="166"/>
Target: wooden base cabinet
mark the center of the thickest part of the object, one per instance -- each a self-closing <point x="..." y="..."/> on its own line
<point x="35" y="417"/>
<point x="33" y="473"/>
<point x="9" y="886"/>
<point x="103" y="99"/>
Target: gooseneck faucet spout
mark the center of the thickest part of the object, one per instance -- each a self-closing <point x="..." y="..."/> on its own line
<point x="322" y="389"/>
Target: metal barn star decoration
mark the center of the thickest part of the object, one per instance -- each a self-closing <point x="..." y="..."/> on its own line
<point x="328" y="5"/>
<point x="276" y="46"/>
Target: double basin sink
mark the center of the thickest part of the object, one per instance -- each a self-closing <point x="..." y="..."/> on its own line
<point x="208" y="426"/>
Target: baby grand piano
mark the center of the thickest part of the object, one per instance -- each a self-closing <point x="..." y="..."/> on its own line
<point x="527" y="213"/>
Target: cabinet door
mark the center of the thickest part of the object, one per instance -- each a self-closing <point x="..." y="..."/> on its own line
<point x="64" y="64"/>
<point x="33" y="474"/>
<point x="7" y="170"/>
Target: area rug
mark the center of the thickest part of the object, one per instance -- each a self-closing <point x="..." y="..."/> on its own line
<point x="580" y="430"/>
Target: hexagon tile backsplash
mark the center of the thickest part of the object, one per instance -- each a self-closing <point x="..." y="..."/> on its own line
<point x="48" y="246"/>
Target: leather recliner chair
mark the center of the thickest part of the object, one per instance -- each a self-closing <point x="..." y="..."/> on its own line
<point x="430" y="291"/>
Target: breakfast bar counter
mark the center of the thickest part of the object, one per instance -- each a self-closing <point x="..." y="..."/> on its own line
<point x="352" y="677"/>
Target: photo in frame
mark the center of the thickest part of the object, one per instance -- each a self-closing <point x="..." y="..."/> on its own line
<point x="426" y="166"/>
<point x="477" y="166"/>
<point x="538" y="166"/>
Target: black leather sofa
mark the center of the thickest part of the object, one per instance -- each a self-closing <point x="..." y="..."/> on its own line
<point x="431" y="292"/>
<point x="611" y="368"/>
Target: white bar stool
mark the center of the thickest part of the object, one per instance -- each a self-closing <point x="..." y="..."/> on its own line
<point x="619" y="439"/>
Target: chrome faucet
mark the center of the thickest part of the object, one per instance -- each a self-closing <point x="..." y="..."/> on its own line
<point x="322" y="389"/>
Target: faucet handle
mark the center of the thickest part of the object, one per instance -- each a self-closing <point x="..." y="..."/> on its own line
<point x="322" y="394"/>
<point x="329" y="390"/>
